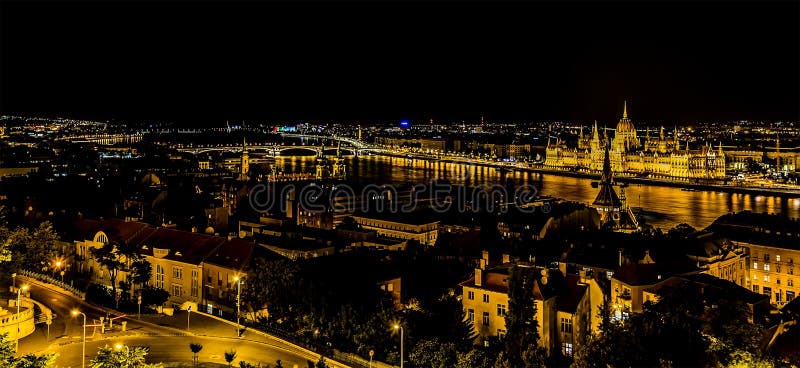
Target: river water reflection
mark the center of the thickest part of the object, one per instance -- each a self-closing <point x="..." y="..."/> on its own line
<point x="663" y="207"/>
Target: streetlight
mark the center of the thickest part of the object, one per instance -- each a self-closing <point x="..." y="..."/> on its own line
<point x="19" y="294"/>
<point x="238" y="303"/>
<point x="398" y="327"/>
<point x="119" y="346"/>
<point x="75" y="313"/>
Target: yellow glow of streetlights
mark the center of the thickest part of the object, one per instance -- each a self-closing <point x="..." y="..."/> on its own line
<point x="396" y="327"/>
<point x="58" y="263"/>
<point x="25" y="287"/>
<point x="118" y="346"/>
<point x="236" y="278"/>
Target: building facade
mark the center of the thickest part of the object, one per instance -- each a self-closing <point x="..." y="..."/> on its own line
<point x="629" y="154"/>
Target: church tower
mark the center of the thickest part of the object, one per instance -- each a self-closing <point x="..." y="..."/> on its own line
<point x="614" y="212"/>
<point x="244" y="171"/>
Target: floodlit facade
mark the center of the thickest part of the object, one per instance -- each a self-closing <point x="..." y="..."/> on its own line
<point x="655" y="157"/>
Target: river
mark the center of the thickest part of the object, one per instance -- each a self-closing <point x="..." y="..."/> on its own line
<point x="662" y="206"/>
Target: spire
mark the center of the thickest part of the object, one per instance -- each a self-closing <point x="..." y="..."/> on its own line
<point x="595" y="134"/>
<point x="581" y="128"/>
<point x="606" y="179"/>
<point x="244" y="144"/>
<point x="625" y="110"/>
<point x="662" y="132"/>
<point x="720" y="148"/>
<point x="675" y="135"/>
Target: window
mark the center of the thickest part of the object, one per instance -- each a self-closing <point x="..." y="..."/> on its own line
<point x="777" y="258"/>
<point x="766" y="257"/>
<point x="766" y="278"/>
<point x="177" y="290"/>
<point x="485" y="298"/>
<point x="485" y="318"/>
<point x="471" y="295"/>
<point x="766" y="291"/>
<point x="177" y="273"/>
<point x="566" y="349"/>
<point x="790" y="271"/>
<point x="766" y="266"/>
<point x="755" y="265"/>
<point x="194" y="283"/>
<point x="566" y="325"/>
<point x="470" y="315"/>
<point x="778" y="296"/>
<point x="789" y="282"/>
<point x="159" y="276"/>
<point x="778" y="281"/>
<point x="755" y="288"/>
<point x="501" y="333"/>
<point x="501" y="310"/>
<point x="777" y="268"/>
<point x="789" y="296"/>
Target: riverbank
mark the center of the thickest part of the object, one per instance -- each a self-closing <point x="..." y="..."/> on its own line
<point x="687" y="185"/>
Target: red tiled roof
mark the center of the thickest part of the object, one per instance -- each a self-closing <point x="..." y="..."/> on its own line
<point x="126" y="232"/>
<point x="183" y="246"/>
<point x="234" y="254"/>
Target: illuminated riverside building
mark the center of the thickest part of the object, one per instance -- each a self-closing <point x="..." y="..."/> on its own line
<point x="659" y="156"/>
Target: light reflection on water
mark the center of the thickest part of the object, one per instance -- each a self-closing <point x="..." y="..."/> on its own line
<point x="663" y="206"/>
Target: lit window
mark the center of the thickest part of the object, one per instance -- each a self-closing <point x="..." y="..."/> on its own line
<point x="790" y="282"/>
<point x="777" y="257"/>
<point x="766" y="278"/>
<point x="755" y="265"/>
<point x="471" y="295"/>
<point x="485" y="298"/>
<point x="566" y="349"/>
<point x="755" y="288"/>
<point x="766" y="266"/>
<point x="485" y="318"/>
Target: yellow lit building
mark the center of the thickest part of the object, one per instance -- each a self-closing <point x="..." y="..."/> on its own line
<point x="565" y="306"/>
<point x="655" y="157"/>
<point x="774" y="271"/>
<point x="423" y="230"/>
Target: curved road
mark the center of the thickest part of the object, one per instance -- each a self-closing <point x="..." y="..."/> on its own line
<point x="166" y="336"/>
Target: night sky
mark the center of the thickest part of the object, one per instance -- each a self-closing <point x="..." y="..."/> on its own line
<point x="203" y="63"/>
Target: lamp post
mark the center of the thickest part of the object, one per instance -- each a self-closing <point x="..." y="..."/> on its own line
<point x="14" y="279"/>
<point x="398" y="327"/>
<point x="238" y="303"/>
<point x="119" y="346"/>
<point x="19" y="294"/>
<point x="83" y="351"/>
<point x="188" y="314"/>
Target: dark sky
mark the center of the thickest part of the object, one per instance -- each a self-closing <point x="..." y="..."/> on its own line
<point x="205" y="62"/>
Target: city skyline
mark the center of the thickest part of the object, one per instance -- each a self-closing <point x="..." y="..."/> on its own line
<point x="389" y="61"/>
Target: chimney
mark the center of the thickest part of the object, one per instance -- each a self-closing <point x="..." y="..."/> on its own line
<point x="479" y="277"/>
<point x="485" y="256"/>
<point x="482" y="264"/>
<point x="506" y="258"/>
<point x="194" y="229"/>
<point x="620" y="256"/>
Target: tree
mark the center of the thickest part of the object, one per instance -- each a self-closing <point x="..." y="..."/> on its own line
<point x="521" y="325"/>
<point x="108" y="257"/>
<point x="272" y="284"/>
<point x="474" y="358"/>
<point x="230" y="356"/>
<point x="140" y="271"/>
<point x="154" y="296"/>
<point x="434" y="354"/>
<point x="321" y="362"/>
<point x="7" y="359"/>
<point x="108" y="357"/>
<point x="195" y="348"/>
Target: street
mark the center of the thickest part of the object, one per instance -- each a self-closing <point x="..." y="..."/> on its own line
<point x="165" y="335"/>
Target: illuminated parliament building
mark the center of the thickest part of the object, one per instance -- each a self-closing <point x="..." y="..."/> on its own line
<point x="658" y="157"/>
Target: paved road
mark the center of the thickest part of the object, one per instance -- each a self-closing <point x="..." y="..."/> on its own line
<point x="176" y="349"/>
<point x="166" y="336"/>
